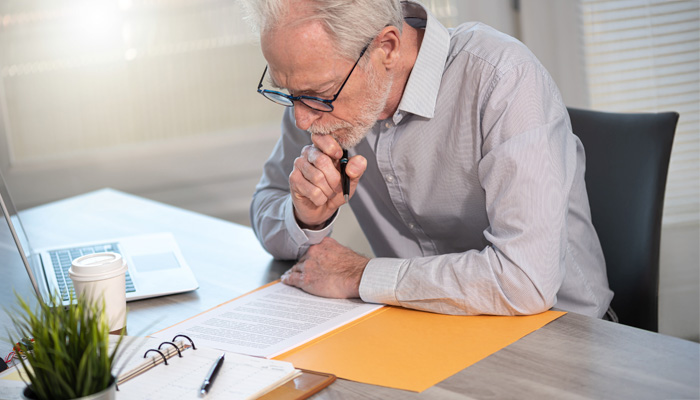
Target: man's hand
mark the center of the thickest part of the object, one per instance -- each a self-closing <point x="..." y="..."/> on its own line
<point x="328" y="269"/>
<point x="315" y="181"/>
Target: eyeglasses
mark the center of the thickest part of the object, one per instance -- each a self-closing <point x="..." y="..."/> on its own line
<point x="316" y="103"/>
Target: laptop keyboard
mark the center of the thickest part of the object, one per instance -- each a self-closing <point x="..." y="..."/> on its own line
<point x="62" y="259"/>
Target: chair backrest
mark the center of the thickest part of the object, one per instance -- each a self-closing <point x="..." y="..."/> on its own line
<point x="627" y="158"/>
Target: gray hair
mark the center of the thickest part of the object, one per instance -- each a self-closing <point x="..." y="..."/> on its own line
<point x="351" y="23"/>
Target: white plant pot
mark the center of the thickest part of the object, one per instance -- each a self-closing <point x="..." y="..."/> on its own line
<point x="108" y="394"/>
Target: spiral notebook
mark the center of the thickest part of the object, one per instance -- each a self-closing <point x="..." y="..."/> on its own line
<point x="142" y="373"/>
<point x="149" y="368"/>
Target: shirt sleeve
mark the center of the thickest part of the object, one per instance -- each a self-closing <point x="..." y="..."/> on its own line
<point x="271" y="210"/>
<point x="526" y="171"/>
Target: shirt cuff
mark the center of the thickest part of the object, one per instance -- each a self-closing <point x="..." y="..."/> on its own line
<point x="304" y="238"/>
<point x="379" y="281"/>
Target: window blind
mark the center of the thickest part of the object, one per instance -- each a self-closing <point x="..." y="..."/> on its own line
<point x="644" y="56"/>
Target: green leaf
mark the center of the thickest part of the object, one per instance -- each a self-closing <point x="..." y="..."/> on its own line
<point x="70" y="356"/>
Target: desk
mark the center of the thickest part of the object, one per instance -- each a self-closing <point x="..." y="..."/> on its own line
<point x="573" y="357"/>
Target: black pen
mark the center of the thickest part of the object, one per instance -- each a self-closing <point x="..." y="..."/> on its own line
<point x="209" y="380"/>
<point x="344" y="177"/>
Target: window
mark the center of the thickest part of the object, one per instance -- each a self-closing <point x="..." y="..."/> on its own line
<point x="645" y="56"/>
<point x="85" y="76"/>
<point x="151" y="97"/>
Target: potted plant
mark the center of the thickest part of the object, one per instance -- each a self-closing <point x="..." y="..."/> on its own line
<point x="70" y="356"/>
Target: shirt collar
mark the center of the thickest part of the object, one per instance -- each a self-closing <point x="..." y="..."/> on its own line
<point x="420" y="93"/>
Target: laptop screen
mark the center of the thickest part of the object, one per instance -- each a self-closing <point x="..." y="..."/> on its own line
<point x="15" y="279"/>
<point x="7" y="199"/>
<point x="15" y="247"/>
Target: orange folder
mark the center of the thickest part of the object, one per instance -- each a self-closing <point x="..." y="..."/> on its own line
<point x="411" y="350"/>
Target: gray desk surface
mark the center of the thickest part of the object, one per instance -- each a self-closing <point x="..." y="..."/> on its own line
<point x="573" y="357"/>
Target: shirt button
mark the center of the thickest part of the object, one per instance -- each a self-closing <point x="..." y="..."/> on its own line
<point x="387" y="125"/>
<point x="389" y="178"/>
<point x="411" y="226"/>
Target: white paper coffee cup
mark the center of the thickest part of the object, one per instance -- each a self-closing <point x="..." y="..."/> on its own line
<point x="102" y="276"/>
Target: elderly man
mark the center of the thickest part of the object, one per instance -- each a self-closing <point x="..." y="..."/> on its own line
<point x="464" y="173"/>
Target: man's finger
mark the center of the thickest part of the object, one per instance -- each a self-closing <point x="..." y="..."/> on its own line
<point x="318" y="167"/>
<point x="301" y="188"/>
<point x="322" y="179"/>
<point x="299" y="267"/>
<point x="356" y="167"/>
<point x="317" y="157"/>
<point x="291" y="277"/>
<point x="328" y="145"/>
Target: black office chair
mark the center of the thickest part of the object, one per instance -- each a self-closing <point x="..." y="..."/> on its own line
<point x="627" y="159"/>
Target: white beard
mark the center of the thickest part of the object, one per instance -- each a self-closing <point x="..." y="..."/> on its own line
<point x="349" y="134"/>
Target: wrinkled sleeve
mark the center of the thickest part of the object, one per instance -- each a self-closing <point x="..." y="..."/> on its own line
<point x="271" y="210"/>
<point x="527" y="165"/>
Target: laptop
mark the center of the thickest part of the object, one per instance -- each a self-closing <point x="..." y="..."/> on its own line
<point x="156" y="266"/>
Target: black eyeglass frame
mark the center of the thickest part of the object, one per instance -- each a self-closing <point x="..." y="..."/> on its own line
<point x="314" y="102"/>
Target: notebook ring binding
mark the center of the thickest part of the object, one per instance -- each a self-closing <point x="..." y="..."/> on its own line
<point x="165" y="359"/>
<point x="172" y="344"/>
<point x="186" y="337"/>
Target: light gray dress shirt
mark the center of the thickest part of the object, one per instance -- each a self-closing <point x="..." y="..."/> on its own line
<point x="473" y="199"/>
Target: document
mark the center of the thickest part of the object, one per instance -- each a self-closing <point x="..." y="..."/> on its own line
<point x="269" y="321"/>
